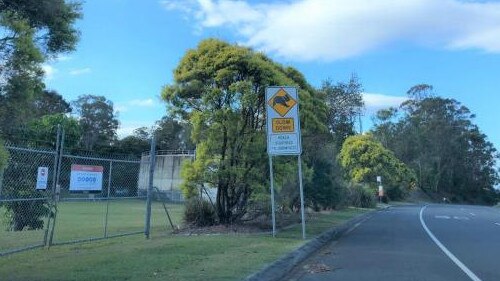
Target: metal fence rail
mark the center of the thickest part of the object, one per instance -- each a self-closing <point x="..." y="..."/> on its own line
<point x="116" y="199"/>
<point x="24" y="209"/>
<point x="114" y="210"/>
<point x="57" y="210"/>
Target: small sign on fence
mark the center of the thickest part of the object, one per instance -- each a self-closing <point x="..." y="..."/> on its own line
<point x="42" y="178"/>
<point x="86" y="178"/>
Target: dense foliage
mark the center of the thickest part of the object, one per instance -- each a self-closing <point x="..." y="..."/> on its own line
<point x="219" y="88"/>
<point x="98" y="121"/>
<point x="363" y="159"/>
<point x="31" y="32"/>
<point x="4" y="157"/>
<point x="437" y="138"/>
<point x="345" y="105"/>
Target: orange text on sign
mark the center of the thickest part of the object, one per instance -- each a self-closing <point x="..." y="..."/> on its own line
<point x="283" y="125"/>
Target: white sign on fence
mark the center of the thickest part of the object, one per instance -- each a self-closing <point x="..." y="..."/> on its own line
<point x="283" y="123"/>
<point x="42" y="178"/>
<point x="87" y="178"/>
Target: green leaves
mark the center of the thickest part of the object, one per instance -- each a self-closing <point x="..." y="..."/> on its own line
<point x="345" y="104"/>
<point x="437" y="138"/>
<point x="97" y="120"/>
<point x="4" y="157"/>
<point x="32" y="32"/>
<point x="219" y="89"/>
<point x="363" y="159"/>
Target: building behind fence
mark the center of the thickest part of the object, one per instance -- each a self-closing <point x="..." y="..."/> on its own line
<point x="56" y="213"/>
<point x="167" y="177"/>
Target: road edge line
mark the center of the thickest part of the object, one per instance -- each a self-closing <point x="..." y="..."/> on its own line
<point x="447" y="252"/>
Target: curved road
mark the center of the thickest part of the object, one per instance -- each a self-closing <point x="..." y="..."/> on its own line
<point x="435" y="242"/>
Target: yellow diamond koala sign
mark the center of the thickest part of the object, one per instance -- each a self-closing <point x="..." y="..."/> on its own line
<point x="283" y="124"/>
<point x="283" y="137"/>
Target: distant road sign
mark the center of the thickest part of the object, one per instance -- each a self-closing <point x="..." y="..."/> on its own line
<point x="283" y="123"/>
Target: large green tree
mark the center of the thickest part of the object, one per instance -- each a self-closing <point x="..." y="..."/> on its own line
<point x="31" y="31"/>
<point x="219" y="88"/>
<point x="345" y="105"/>
<point x="44" y="130"/>
<point x="98" y="121"/>
<point x="135" y="144"/>
<point x="50" y="102"/>
<point x="438" y="139"/>
<point x="173" y="135"/>
<point x="364" y="158"/>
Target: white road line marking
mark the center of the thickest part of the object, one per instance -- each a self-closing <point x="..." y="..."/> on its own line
<point x="442" y="217"/>
<point x="497" y="223"/>
<point x="461" y="218"/>
<point x="462" y="266"/>
<point x="472" y="214"/>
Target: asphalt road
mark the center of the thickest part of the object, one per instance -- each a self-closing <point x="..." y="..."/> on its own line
<point x="436" y="242"/>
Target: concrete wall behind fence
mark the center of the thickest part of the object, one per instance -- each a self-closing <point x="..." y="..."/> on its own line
<point x="167" y="175"/>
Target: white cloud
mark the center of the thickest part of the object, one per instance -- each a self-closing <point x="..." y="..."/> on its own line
<point x="143" y="103"/>
<point x="124" y="131"/>
<point x="49" y="71"/>
<point x="134" y="104"/>
<point x="381" y="101"/>
<point x="63" y="58"/>
<point x="375" y="102"/>
<point x="184" y="6"/>
<point x="127" y="128"/>
<point x="80" y="71"/>
<point x="120" y="108"/>
<point x="338" y="29"/>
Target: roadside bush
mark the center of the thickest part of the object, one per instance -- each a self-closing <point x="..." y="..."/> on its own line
<point x="23" y="215"/>
<point x="4" y="156"/>
<point x="199" y="212"/>
<point x="396" y="193"/>
<point x="361" y="197"/>
<point x="26" y="215"/>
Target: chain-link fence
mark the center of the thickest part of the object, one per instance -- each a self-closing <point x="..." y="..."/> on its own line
<point x="24" y="201"/>
<point x="53" y="192"/>
<point x="97" y="197"/>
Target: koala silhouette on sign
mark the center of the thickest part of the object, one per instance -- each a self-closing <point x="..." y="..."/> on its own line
<point x="281" y="100"/>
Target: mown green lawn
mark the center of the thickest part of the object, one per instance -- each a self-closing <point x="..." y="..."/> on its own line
<point x="83" y="220"/>
<point x="165" y="257"/>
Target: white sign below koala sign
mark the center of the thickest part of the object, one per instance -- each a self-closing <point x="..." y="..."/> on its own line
<point x="42" y="178"/>
<point x="283" y="123"/>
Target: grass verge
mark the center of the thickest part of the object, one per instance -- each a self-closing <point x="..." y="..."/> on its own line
<point x="207" y="257"/>
<point x="84" y="220"/>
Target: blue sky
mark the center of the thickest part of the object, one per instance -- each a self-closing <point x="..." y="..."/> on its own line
<point x="129" y="48"/>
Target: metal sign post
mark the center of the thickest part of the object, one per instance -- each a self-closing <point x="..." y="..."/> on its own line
<point x="380" y="189"/>
<point x="302" y="199"/>
<point x="283" y="136"/>
<point x="272" y="194"/>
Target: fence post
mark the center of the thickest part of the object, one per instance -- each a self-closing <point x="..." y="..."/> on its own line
<point x="107" y="200"/>
<point x="53" y="187"/>
<point x="57" y="186"/>
<point x="152" y="163"/>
